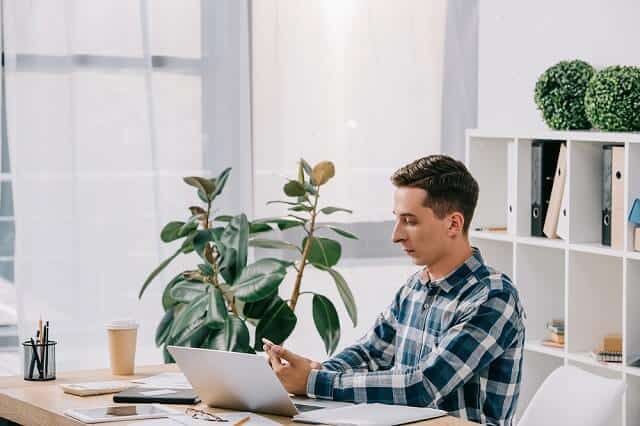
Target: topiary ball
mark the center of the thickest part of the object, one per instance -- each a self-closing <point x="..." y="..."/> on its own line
<point x="560" y="93"/>
<point x="612" y="101"/>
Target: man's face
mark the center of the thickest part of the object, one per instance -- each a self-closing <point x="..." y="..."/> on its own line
<point x="423" y="236"/>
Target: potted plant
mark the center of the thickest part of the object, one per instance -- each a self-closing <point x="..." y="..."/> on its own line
<point x="213" y="305"/>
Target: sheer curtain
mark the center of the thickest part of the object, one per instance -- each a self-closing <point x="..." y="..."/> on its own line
<point x="370" y="85"/>
<point x="105" y="116"/>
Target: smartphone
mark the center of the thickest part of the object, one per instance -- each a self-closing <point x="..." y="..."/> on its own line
<point x="268" y="343"/>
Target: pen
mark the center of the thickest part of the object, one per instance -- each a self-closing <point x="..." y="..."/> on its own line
<point x="35" y="353"/>
<point x="45" y="358"/>
<point x="242" y="421"/>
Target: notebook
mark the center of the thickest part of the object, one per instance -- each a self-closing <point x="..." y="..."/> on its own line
<point x="369" y="415"/>
<point x="142" y="394"/>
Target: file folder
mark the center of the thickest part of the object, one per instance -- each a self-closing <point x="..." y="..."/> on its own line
<point x="606" y="194"/>
<point x="553" y="211"/>
<point x="544" y="159"/>
<point x="618" y="215"/>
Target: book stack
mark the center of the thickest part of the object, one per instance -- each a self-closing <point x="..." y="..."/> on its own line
<point x="611" y="350"/>
<point x="556" y="334"/>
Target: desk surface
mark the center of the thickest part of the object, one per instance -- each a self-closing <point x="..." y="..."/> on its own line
<point x="43" y="403"/>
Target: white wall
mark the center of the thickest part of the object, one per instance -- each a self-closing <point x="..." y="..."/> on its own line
<point x="518" y="40"/>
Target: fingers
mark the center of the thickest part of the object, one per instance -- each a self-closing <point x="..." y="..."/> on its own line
<point x="275" y="361"/>
<point x="285" y="354"/>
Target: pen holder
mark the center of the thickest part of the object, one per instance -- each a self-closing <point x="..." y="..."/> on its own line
<point x="39" y="360"/>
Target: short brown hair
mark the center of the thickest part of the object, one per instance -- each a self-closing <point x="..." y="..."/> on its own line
<point x="448" y="183"/>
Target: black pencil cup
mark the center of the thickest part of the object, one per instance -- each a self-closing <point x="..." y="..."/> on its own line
<point x="39" y="360"/>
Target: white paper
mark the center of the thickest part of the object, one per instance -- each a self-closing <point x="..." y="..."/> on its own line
<point x="165" y="380"/>
<point x="158" y="392"/>
<point x="369" y="414"/>
<point x="231" y="417"/>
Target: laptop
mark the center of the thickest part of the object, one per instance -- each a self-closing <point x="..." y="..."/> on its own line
<point x="239" y="381"/>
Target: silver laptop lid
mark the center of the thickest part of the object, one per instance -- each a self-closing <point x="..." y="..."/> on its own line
<point x="233" y="380"/>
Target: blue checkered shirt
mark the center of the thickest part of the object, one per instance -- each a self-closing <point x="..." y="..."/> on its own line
<point x="455" y="344"/>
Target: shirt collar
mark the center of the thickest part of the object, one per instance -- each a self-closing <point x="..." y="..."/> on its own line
<point x="458" y="275"/>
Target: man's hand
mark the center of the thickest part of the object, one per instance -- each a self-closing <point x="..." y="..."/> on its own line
<point x="292" y="369"/>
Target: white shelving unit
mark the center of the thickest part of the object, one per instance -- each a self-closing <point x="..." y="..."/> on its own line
<point x="594" y="288"/>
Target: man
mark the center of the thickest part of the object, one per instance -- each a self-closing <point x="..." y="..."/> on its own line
<point x="453" y="336"/>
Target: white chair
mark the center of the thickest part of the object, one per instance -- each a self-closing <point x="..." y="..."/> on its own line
<point x="571" y="396"/>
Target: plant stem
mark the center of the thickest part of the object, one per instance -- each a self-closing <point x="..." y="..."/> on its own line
<point x="305" y="253"/>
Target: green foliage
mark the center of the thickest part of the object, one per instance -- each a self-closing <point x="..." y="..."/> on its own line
<point x="560" y="93"/>
<point x="612" y="100"/>
<point x="212" y="305"/>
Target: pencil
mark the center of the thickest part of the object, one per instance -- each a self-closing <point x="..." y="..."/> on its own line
<point x="242" y="421"/>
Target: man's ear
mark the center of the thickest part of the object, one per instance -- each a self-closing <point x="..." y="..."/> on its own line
<point x="456" y="224"/>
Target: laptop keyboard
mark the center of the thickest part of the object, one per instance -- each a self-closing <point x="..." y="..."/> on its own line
<point x="303" y="408"/>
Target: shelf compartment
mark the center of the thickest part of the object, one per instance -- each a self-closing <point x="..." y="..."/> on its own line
<point x="540" y="277"/>
<point x="492" y="207"/>
<point x="585" y="192"/>
<point x="498" y="254"/>
<point x="538" y="347"/>
<point x="595" y="300"/>
<point x="631" y="340"/>
<point x="536" y="368"/>
<point x="633" y="396"/>
<point x="524" y="180"/>
<point x="633" y="189"/>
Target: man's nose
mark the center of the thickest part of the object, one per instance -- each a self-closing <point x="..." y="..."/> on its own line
<point x="397" y="235"/>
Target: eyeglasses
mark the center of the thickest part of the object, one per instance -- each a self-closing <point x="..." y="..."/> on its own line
<point x="203" y="415"/>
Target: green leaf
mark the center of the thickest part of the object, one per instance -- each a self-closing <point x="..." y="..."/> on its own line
<point x="228" y="265"/>
<point x="307" y="169"/>
<point x="188" y="227"/>
<point x="323" y="251"/>
<point x="255" y="228"/>
<point x="282" y="223"/>
<point x="329" y="210"/>
<point x="194" y="331"/>
<point x="310" y="188"/>
<point x="187" y="291"/>
<point x="342" y="232"/>
<point x="273" y="244"/>
<point x="163" y="329"/>
<point x="168" y="359"/>
<point x="206" y="269"/>
<point x="223" y="218"/>
<point x="236" y="335"/>
<point x="344" y="291"/>
<point x="217" y="311"/>
<point x="293" y="188"/>
<point x="327" y="323"/>
<point x="277" y="323"/>
<point x="189" y="316"/>
<point x="288" y="203"/>
<point x="257" y="309"/>
<point x="156" y="271"/>
<point x="301" y="208"/>
<point x="200" y="241"/>
<point x="259" y="280"/>
<point x="170" y="231"/>
<point x="167" y="300"/>
<point x="203" y="184"/>
<point x="198" y="335"/>
<point x="236" y="236"/>
<point x="220" y="182"/>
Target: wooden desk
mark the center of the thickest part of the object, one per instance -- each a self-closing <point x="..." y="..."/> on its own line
<point x="43" y="403"/>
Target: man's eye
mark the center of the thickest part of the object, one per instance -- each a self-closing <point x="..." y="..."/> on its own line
<point x="409" y="221"/>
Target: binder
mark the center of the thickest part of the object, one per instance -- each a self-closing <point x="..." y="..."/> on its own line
<point x="553" y="211"/>
<point x="563" y="218"/>
<point x="618" y="215"/>
<point x="606" y="195"/>
<point x="544" y="158"/>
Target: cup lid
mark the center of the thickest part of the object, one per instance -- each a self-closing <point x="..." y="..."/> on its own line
<point x="122" y="325"/>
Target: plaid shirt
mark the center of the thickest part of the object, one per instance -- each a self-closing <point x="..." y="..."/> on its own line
<point x="455" y="344"/>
